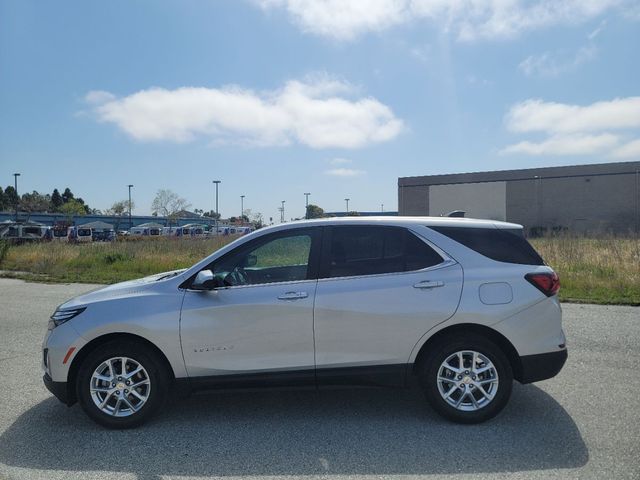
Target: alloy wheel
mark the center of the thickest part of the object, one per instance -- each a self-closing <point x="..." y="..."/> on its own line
<point x="120" y="386"/>
<point x="467" y="380"/>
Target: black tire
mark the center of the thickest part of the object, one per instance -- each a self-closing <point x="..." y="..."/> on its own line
<point x="449" y="345"/>
<point x="158" y="376"/>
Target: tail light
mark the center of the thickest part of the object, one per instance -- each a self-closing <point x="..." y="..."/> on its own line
<point x="547" y="283"/>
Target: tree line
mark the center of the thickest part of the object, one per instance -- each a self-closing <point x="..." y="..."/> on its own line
<point x="165" y="204"/>
<point x="65" y="203"/>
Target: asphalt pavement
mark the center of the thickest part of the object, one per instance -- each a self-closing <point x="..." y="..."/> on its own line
<point x="581" y="424"/>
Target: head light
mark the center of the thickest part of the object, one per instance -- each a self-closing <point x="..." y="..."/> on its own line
<point x="61" y="316"/>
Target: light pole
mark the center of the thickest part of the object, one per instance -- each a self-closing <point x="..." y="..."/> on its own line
<point x="282" y="214"/>
<point x="130" y="223"/>
<point x="306" y="205"/>
<point x="241" y="209"/>
<point x="216" y="182"/>
<point x="382" y="207"/>
<point x="15" y="182"/>
<point x="347" y="200"/>
<point x="537" y="192"/>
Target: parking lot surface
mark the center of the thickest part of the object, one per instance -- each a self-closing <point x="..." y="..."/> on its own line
<point x="581" y="424"/>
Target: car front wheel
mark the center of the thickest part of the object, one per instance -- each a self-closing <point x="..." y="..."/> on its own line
<point x="121" y="385"/>
<point x="467" y="379"/>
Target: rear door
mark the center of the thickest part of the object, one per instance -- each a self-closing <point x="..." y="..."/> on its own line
<point x="381" y="289"/>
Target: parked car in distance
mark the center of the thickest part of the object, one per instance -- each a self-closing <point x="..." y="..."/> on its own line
<point x="150" y="229"/>
<point x="192" y="230"/>
<point x="83" y="235"/>
<point x="461" y="307"/>
<point x="23" y="232"/>
<point x="224" y="230"/>
<point x="242" y="230"/>
<point x="60" y="234"/>
<point x="138" y="232"/>
<point x="103" y="235"/>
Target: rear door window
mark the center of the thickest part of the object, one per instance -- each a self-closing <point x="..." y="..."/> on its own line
<point x="370" y="250"/>
<point x="500" y="244"/>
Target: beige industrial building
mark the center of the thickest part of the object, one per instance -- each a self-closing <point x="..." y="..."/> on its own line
<point x="581" y="198"/>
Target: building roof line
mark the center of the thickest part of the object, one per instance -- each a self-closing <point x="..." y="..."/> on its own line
<point x="570" y="171"/>
<point x="542" y="177"/>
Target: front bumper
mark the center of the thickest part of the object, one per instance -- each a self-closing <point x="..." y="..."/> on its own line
<point x="541" y="366"/>
<point x="59" y="389"/>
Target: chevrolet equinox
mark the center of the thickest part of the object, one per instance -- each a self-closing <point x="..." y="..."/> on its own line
<point x="461" y="307"/>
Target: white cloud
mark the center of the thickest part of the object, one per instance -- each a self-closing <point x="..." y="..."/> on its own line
<point x="344" y="172"/>
<point x="340" y="161"/>
<point x="317" y="112"/>
<point x="341" y="19"/>
<point x="576" y="144"/>
<point x="553" y="64"/>
<point x="96" y="97"/>
<point x="628" y="150"/>
<point x="594" y="33"/>
<point x="468" y="19"/>
<point x="536" y="115"/>
<point x="576" y="129"/>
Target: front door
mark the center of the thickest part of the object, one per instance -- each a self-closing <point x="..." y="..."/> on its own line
<point x="259" y="326"/>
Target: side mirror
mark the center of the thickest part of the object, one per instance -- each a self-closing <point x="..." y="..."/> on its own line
<point x="205" y="280"/>
<point x="251" y="261"/>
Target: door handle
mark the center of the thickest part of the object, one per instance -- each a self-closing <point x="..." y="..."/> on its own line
<point x="293" y="296"/>
<point x="429" y="284"/>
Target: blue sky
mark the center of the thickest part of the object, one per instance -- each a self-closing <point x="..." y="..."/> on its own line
<point x="281" y="97"/>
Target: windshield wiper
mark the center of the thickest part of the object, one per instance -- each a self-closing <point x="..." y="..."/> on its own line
<point x="169" y="275"/>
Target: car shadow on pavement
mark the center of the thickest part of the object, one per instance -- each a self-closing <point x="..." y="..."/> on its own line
<point x="364" y="431"/>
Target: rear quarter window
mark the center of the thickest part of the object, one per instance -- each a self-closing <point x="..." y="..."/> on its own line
<point x="502" y="245"/>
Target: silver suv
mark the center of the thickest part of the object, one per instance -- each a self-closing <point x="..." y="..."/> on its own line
<point x="459" y="306"/>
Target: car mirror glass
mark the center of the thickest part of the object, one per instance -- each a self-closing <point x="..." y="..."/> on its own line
<point x="204" y="280"/>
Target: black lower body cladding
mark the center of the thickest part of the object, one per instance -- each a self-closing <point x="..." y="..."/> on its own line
<point x="542" y="366"/>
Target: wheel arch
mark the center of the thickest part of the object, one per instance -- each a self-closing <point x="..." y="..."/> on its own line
<point x="101" y="340"/>
<point x="464" y="328"/>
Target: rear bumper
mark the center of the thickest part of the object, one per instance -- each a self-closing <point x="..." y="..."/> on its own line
<point x="59" y="389"/>
<point x="542" y="366"/>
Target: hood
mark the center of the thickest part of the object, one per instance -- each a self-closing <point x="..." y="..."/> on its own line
<point x="123" y="289"/>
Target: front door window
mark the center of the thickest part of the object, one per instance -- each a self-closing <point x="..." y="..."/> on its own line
<point x="283" y="259"/>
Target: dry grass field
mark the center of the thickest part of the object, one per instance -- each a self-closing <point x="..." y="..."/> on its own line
<point x="107" y="262"/>
<point x="596" y="270"/>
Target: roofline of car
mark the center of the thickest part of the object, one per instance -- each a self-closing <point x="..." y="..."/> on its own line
<point x="404" y="221"/>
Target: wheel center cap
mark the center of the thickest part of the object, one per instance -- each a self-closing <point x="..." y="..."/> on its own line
<point x="120" y="386"/>
<point x="467" y="380"/>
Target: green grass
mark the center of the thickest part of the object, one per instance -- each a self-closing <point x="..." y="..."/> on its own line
<point x="604" y="270"/>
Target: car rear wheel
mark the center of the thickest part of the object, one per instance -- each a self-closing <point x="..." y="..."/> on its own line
<point x="467" y="379"/>
<point x="121" y="385"/>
